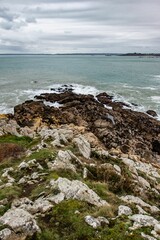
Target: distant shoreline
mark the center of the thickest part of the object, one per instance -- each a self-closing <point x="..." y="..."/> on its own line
<point x="85" y="54"/>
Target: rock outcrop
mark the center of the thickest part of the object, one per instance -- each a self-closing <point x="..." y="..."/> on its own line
<point x="89" y="169"/>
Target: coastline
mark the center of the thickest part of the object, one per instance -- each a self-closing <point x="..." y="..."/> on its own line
<point x="74" y="164"/>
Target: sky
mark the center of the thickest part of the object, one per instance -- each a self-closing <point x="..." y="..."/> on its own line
<point x="79" y="26"/>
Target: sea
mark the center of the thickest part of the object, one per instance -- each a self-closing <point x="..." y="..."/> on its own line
<point x="131" y="79"/>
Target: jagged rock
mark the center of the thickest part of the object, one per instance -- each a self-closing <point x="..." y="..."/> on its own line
<point x="142" y="221"/>
<point x="20" y="221"/>
<point x="40" y="205"/>
<point x="124" y="210"/>
<point x="77" y="190"/>
<point x="83" y="146"/>
<point x="138" y="201"/>
<point x="146" y="168"/>
<point x="96" y="222"/>
<point x="62" y="161"/>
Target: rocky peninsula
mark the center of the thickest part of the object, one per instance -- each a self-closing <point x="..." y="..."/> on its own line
<point x="79" y="167"/>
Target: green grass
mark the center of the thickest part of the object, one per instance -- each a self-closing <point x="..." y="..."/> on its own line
<point x="23" y="141"/>
<point x="43" y="154"/>
<point x="10" y="192"/>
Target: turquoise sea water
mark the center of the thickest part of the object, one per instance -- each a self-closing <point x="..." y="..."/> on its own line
<point x="131" y="79"/>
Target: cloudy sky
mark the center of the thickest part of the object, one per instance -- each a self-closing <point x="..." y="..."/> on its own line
<point x="70" y="26"/>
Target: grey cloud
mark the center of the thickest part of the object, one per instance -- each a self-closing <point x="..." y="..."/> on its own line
<point x="5" y="14"/>
<point x="104" y="25"/>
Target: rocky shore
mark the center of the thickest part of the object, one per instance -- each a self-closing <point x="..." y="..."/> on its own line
<point x="79" y="167"/>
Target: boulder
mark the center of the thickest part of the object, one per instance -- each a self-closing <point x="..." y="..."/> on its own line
<point x="141" y="220"/>
<point x="77" y="190"/>
<point x="138" y="201"/>
<point x="20" y="221"/>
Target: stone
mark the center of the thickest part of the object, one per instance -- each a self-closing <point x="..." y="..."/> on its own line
<point x="157" y="228"/>
<point x="144" y="183"/>
<point x="83" y="146"/>
<point x="77" y="190"/>
<point x="138" y="201"/>
<point x="148" y="237"/>
<point x="62" y="161"/>
<point x="56" y="198"/>
<point x="124" y="210"/>
<point x="96" y="222"/>
<point x="117" y="168"/>
<point x="23" y="165"/>
<point x="146" y="168"/>
<point x="20" y="221"/>
<point x="41" y="205"/>
<point x="5" y="234"/>
<point x="152" y="113"/>
<point x="141" y="220"/>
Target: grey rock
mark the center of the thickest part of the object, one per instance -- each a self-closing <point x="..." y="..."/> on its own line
<point x="5" y="233"/>
<point x="138" y="201"/>
<point x="83" y="146"/>
<point x="96" y="222"/>
<point x="124" y="210"/>
<point x="77" y="190"/>
<point x="20" y="221"/>
<point x="141" y="220"/>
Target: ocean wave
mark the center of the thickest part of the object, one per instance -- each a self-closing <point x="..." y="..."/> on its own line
<point x="155" y="99"/>
<point x="29" y="94"/>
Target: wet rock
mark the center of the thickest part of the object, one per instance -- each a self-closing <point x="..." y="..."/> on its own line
<point x="156" y="146"/>
<point x="133" y="132"/>
<point x="152" y="113"/>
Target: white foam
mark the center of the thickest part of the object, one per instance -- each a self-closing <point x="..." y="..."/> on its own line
<point x="76" y="88"/>
<point x="156" y="99"/>
<point x="157" y="76"/>
<point x="55" y="104"/>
